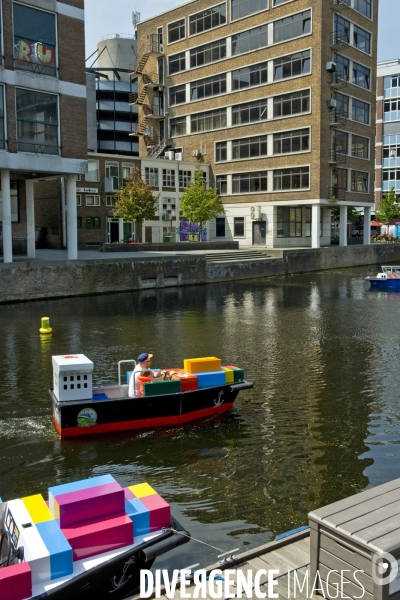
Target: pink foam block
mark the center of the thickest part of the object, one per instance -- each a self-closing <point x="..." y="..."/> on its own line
<point x="160" y="512"/>
<point x="16" y="582"/>
<point x="99" y="536"/>
<point x="129" y="495"/>
<point x="98" y="502"/>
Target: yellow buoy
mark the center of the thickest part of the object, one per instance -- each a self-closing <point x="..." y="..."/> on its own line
<point x="45" y="325"/>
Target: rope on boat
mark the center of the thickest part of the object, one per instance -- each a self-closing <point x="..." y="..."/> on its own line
<point x="226" y="556"/>
<point x="117" y="585"/>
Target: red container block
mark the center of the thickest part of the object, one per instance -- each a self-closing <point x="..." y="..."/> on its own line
<point x="99" y="536"/>
<point x="189" y="382"/>
<point x="160" y="512"/>
<point x="16" y="582"/>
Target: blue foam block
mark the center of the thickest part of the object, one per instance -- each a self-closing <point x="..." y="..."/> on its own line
<point x="100" y="397"/>
<point x="140" y="516"/>
<point x="210" y="378"/>
<point x="61" y="561"/>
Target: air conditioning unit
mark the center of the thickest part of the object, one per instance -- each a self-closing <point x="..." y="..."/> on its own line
<point x="332" y="103"/>
<point x="179" y="156"/>
<point x="196" y="153"/>
<point x="169" y="155"/>
<point x="331" y="66"/>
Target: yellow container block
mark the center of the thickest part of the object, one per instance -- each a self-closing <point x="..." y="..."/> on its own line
<point x="229" y="375"/>
<point x="202" y="365"/>
<point x="142" y="489"/>
<point x="37" y="508"/>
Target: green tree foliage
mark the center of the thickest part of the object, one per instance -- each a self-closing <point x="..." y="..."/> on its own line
<point x="352" y="214"/>
<point x="389" y="208"/>
<point x="200" y="203"/>
<point x="135" y="201"/>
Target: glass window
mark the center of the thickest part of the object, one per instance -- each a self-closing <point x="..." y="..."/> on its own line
<point x="93" y="222"/>
<point x="249" y="182"/>
<point x="92" y="200"/>
<point x="291" y="104"/>
<point x="126" y="171"/>
<point x="292" y="27"/>
<point x="2" y="116"/>
<point x="112" y="170"/>
<point x="342" y="67"/>
<point x="79" y="222"/>
<point x="359" y="182"/>
<point x="221" y="182"/>
<point x="37" y="122"/>
<point x="78" y="200"/>
<point x="292" y="179"/>
<point x="177" y="95"/>
<point x="341" y="142"/>
<point x="176" y="63"/>
<point x="364" y="7"/>
<point x="209" y="53"/>
<point x="251" y="112"/>
<point x="207" y="121"/>
<point x="238" y="227"/>
<point x="220" y="227"/>
<point x="292" y="141"/>
<point x="362" y="39"/>
<point x="151" y="176"/>
<point x="221" y="151"/>
<point x="178" y="126"/>
<point x="110" y="200"/>
<point x="342" y="104"/>
<point x="168" y="178"/>
<point x="289" y="222"/>
<point x="250" y="76"/>
<point x="34" y="40"/>
<point x="211" y="86"/>
<point x="339" y="179"/>
<point x="292" y="65"/>
<point x="360" y="111"/>
<point x="207" y="19"/>
<point x="242" y="8"/>
<point x="185" y="178"/>
<point x="176" y="31"/>
<point x="342" y="30"/>
<point x="249" y="147"/>
<point x="246" y="41"/>
<point x="360" y="146"/>
<point x="361" y="76"/>
<point x="278" y="2"/>
<point x="93" y="171"/>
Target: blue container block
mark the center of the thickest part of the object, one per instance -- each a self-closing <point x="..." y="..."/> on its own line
<point x="61" y="561"/>
<point x="211" y="378"/>
<point x="140" y="516"/>
<point x="75" y="486"/>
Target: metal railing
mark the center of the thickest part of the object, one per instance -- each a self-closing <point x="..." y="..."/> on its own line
<point x="335" y="193"/>
<point x="337" y="156"/>
<point x="340" y="38"/>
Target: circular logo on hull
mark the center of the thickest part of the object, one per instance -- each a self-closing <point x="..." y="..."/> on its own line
<point x="87" y="417"/>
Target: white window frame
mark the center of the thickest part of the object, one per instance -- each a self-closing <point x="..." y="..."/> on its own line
<point x="96" y="200"/>
<point x="78" y="200"/>
<point x="91" y="160"/>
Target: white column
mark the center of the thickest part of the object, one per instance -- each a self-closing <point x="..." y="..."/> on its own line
<point x="121" y="230"/>
<point x="343" y="226"/>
<point x="30" y="218"/>
<point x="72" y="222"/>
<point x="315" y="226"/>
<point x="367" y="226"/>
<point x="6" y="217"/>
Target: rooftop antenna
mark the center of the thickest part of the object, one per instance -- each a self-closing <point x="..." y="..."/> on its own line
<point x="135" y="21"/>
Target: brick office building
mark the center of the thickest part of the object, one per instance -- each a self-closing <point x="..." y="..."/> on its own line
<point x="279" y="97"/>
<point x="43" y="111"/>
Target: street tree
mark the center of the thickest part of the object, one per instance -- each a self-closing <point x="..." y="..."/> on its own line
<point x="200" y="203"/>
<point x="135" y="200"/>
<point x="389" y="208"/>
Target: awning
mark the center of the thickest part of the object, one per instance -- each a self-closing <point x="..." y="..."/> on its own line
<point x="376" y="223"/>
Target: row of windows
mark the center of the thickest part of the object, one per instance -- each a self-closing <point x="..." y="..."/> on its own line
<point x="391" y="151"/>
<point x="112" y="169"/>
<point x="352" y="71"/>
<point x="151" y="175"/>
<point x="283" y="143"/>
<point x="358" y="145"/>
<point x="352" y="34"/>
<point x="352" y="108"/>
<point x="359" y="180"/>
<point x="391" y="105"/>
<point x="90" y="222"/>
<point x="391" y="175"/>
<point x="283" y="180"/>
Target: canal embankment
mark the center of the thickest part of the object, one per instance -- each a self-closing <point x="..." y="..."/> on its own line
<point x="32" y="280"/>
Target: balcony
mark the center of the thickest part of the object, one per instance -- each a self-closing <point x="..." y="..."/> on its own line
<point x="152" y="80"/>
<point x="111" y="184"/>
<point x="335" y="193"/>
<point x="336" y="157"/>
<point x="339" y="80"/>
<point x="339" y="5"/>
<point x="151" y="47"/>
<point x="340" y="39"/>
<point x="156" y="111"/>
<point x="337" y="119"/>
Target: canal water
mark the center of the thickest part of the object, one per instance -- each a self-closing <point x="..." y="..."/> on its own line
<point x="322" y="422"/>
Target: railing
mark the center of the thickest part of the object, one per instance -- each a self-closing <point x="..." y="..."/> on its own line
<point x="19" y="246"/>
<point x="152" y="79"/>
<point x="339" y="79"/>
<point x="337" y="118"/>
<point x="335" y="193"/>
<point x="38" y="148"/>
<point x="338" y="39"/>
<point x="339" y="4"/>
<point x="336" y="156"/>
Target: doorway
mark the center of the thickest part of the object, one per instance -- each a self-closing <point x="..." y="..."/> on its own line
<point x="113" y="231"/>
<point x="259" y="233"/>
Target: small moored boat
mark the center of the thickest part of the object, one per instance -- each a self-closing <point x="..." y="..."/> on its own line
<point x="90" y="539"/>
<point x="389" y="278"/>
<point x="203" y="389"/>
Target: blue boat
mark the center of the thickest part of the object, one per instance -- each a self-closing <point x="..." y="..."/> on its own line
<point x="389" y="279"/>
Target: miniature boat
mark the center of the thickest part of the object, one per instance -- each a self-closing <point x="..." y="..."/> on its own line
<point x="89" y="540"/>
<point x="388" y="279"/>
<point x="203" y="389"/>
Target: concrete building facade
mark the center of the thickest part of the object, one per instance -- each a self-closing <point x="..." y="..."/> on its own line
<point x="278" y="96"/>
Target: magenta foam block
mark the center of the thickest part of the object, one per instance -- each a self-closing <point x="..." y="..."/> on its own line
<point x="100" y="536"/>
<point x="129" y="495"/>
<point x="16" y="582"/>
<point x="160" y="512"/>
<point x="89" y="504"/>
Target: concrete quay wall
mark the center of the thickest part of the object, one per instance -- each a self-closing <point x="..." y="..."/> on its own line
<point x="32" y="281"/>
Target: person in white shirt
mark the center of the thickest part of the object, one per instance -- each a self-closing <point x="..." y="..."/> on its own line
<point x="143" y="364"/>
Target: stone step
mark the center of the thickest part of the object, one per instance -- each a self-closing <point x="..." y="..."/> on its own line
<point x="236" y="256"/>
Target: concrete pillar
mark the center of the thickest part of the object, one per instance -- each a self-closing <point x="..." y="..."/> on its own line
<point x="30" y="218"/>
<point x="343" y="226"/>
<point x="6" y="216"/>
<point x="121" y="230"/>
<point x="72" y="221"/>
<point x="367" y="226"/>
<point x="315" y="226"/>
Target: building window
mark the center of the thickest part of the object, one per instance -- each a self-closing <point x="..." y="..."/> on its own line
<point x="361" y="76"/>
<point x="93" y="171"/>
<point x="238" y="227"/>
<point x="292" y="27"/>
<point x="292" y="104"/>
<point x="364" y="7"/>
<point x="177" y="95"/>
<point x="393" y="150"/>
<point x="342" y="104"/>
<point x="204" y="88"/>
<point x="207" y="121"/>
<point x="207" y="19"/>
<point x="78" y="200"/>
<point x="176" y="31"/>
<point x="2" y="121"/>
<point x="220" y="227"/>
<point x="34" y="40"/>
<point x="342" y="67"/>
<point x="176" y="63"/>
<point x="110" y="200"/>
<point x="185" y="178"/>
<point x="92" y="200"/>
<point x="341" y="142"/>
<point x="292" y="141"/>
<point x="242" y="8"/>
<point x="246" y="41"/>
<point x="359" y="182"/>
<point x="221" y="152"/>
<point x="127" y="170"/>
<point x="178" y="126"/>
<point x="250" y="76"/>
<point x="243" y="183"/>
<point x="360" y="146"/>
<point x="278" y="2"/>
<point x="360" y="111"/>
<point x="37" y="122"/>
<point x="339" y="179"/>
<point x="221" y="182"/>
<point x="362" y="39"/>
<point x="79" y="222"/>
<point x="93" y="223"/>
<point x="249" y="147"/>
<point x="168" y="178"/>
<point x="292" y="65"/>
<point x="391" y="105"/>
<point x="209" y="53"/>
<point x="112" y="170"/>
<point x="342" y="30"/>
<point x="151" y="176"/>
<point x="251" y="112"/>
<point x="292" y="179"/>
<point x="289" y="222"/>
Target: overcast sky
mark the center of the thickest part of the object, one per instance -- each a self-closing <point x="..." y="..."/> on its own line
<point x="115" y="16"/>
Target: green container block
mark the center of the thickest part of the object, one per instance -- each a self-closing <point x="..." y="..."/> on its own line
<point x="157" y="388"/>
<point x="238" y="374"/>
